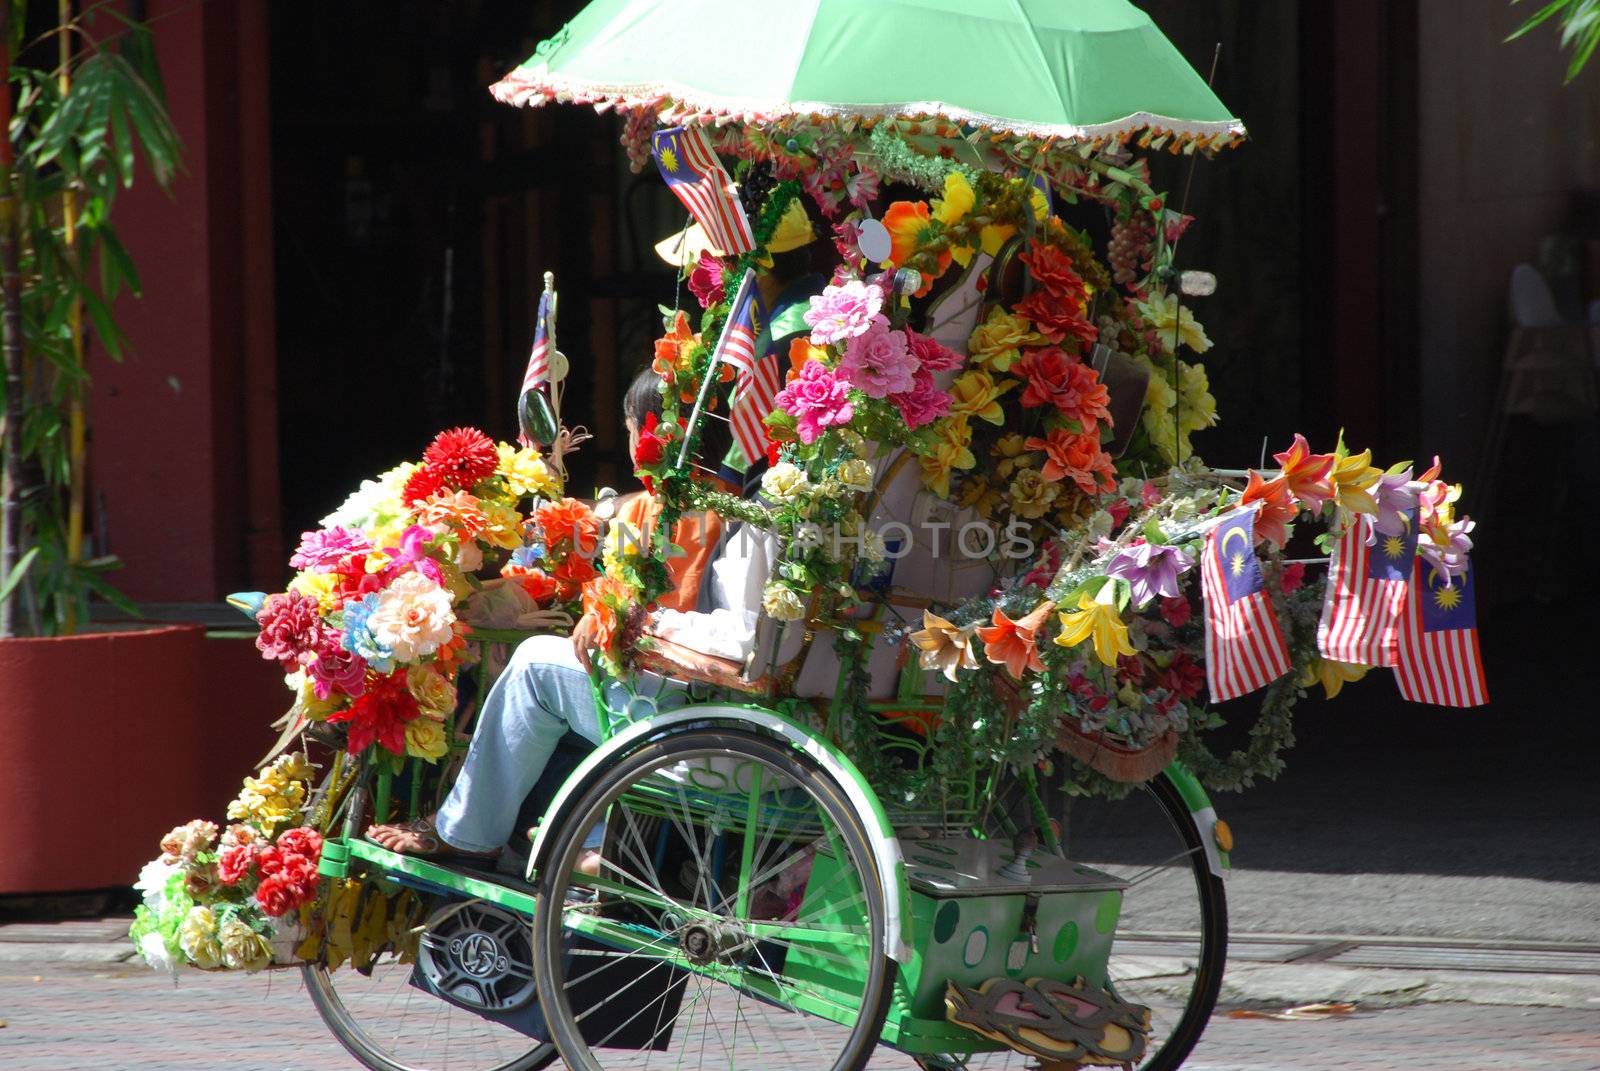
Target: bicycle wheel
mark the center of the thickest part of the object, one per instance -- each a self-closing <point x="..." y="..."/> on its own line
<point x="1172" y="935"/>
<point x="391" y="1025"/>
<point x="737" y="919"/>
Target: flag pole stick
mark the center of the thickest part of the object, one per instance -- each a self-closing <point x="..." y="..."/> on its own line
<point x="748" y="281"/>
<point x="550" y="341"/>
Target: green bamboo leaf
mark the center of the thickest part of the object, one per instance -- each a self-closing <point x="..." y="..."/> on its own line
<point x="114" y="258"/>
<point x="106" y="591"/>
<point x="18" y="571"/>
<point x="1538" y="18"/>
<point x="1581" y="57"/>
<point x="105" y="328"/>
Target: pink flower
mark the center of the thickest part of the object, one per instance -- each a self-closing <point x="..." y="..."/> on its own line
<point x="923" y="403"/>
<point x="817" y="399"/>
<point x="326" y="550"/>
<point x="877" y="361"/>
<point x="332" y="667"/>
<point x="935" y="356"/>
<point x="705" y="281"/>
<point x="842" y="312"/>
<point x="290" y="629"/>
<point x="1149" y="496"/>
<point x="1292" y="577"/>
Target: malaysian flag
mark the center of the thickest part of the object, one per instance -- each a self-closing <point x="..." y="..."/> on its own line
<point x="1367" y="581"/>
<point x="1439" y="660"/>
<point x="1244" y="645"/>
<point x="695" y="175"/>
<point x="755" y="391"/>
<point x="538" y="369"/>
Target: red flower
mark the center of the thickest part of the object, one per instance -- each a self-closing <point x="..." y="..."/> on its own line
<point x="1053" y="270"/>
<point x="1130" y="669"/>
<point x="303" y="840"/>
<point x="1077" y="455"/>
<point x="652" y="445"/>
<point x="705" y="281"/>
<point x="1055" y="378"/>
<point x="422" y="484"/>
<point x="268" y="861"/>
<point x="574" y="571"/>
<point x="1176" y="611"/>
<point x="290" y="629"/>
<point x="461" y="456"/>
<point x="1292" y="577"/>
<point x="378" y="716"/>
<point x="1183" y="677"/>
<point x="233" y="864"/>
<point x="537" y="583"/>
<point x="1056" y="317"/>
<point x="277" y="897"/>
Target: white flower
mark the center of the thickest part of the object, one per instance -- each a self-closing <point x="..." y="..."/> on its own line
<point x="152" y="883"/>
<point x="1100" y="523"/>
<point x="873" y="549"/>
<point x="784" y="482"/>
<point x="782" y="604"/>
<point x="469" y="558"/>
<point x="413" y="617"/>
<point x="153" y="950"/>
<point x="856" y="475"/>
<point x="375" y="502"/>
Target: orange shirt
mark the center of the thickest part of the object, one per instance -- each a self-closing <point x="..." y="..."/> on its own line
<point x="696" y="533"/>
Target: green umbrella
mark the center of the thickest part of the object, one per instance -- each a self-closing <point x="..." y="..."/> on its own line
<point x="1081" y="70"/>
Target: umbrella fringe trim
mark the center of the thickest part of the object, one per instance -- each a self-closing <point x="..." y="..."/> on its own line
<point x="521" y="88"/>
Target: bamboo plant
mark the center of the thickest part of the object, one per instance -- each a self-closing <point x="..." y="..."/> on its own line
<point x="80" y="107"/>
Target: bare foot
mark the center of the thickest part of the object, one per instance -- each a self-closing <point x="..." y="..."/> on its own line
<point x="418" y="837"/>
<point x="588" y="862"/>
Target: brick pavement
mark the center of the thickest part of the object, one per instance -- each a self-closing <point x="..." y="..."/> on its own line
<point x="75" y="1017"/>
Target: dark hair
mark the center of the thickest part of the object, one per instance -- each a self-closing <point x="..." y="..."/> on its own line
<point x="643" y="397"/>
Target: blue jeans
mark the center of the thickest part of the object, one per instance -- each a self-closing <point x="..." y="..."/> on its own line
<point x="543" y="693"/>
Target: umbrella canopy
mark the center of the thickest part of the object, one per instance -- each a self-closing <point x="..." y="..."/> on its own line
<point x="1085" y="71"/>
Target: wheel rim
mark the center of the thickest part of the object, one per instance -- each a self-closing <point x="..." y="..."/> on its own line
<point x="390" y="1025"/>
<point x="1171" y="932"/>
<point x="736" y="919"/>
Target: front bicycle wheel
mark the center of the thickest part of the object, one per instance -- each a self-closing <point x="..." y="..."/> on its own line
<point x="1171" y="940"/>
<point x="736" y="918"/>
<point x="477" y="951"/>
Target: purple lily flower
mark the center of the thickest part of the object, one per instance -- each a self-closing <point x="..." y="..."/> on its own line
<point x="1450" y="557"/>
<point x="1151" y="570"/>
<point x="1395" y="500"/>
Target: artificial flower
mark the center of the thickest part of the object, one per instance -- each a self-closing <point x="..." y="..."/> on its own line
<point x="1309" y="475"/>
<point x="817" y="399"/>
<point x="329" y="549"/>
<point x="1054" y="271"/>
<point x="379" y="716"/>
<point x="706" y="280"/>
<point x="412" y="618"/>
<point x="502" y="527"/>
<point x="1010" y="454"/>
<point x="674" y="357"/>
<point x="326" y="588"/>
<point x="463" y="456"/>
<point x="923" y="403"/>
<point x="1057" y="379"/>
<point x="1333" y="676"/>
<point x="1013" y="643"/>
<point x="243" y="948"/>
<point x="1076" y="455"/>
<point x="411" y="554"/>
<point x="1352" y="476"/>
<point x="539" y="585"/>
<point x="333" y="669"/>
<point x="422" y="483"/>
<point x="1166" y="317"/>
<point x="187" y="841"/>
<point x="1445" y="547"/>
<point x="975" y="394"/>
<point x="877" y="362"/>
<point x="779" y="602"/>
<point x="457" y="511"/>
<point x="997" y="343"/>
<point x="274" y="797"/>
<point x="1182" y="676"/>
<point x="623" y="541"/>
<point x="1292" y="577"/>
<point x="1058" y="318"/>
<point x="574" y="571"/>
<point x="855" y="475"/>
<point x="801" y="351"/>
<point x="426" y="739"/>
<point x="931" y="354"/>
<point x="1394" y="499"/>
<point x="1277" y="508"/>
<point x="911" y="231"/>
<point x="957" y="201"/>
<point x="844" y="311"/>
<point x="1031" y="495"/>
<point x="358" y="639"/>
<point x="435" y="696"/>
<point x="785" y="482"/>
<point x="950" y="450"/>
<point x="375" y="502"/>
<point x="198" y="938"/>
<point x="1151" y="570"/>
<point x="525" y="471"/>
<point x="1097" y="621"/>
<point x="290" y="628"/>
<point x="943" y="646"/>
<point x="1197" y="409"/>
<point x="569" y="523"/>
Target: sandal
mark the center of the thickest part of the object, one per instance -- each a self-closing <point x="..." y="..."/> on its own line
<point x="420" y="837"/>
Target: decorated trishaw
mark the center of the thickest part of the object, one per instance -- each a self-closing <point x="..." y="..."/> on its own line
<point x="955" y="803"/>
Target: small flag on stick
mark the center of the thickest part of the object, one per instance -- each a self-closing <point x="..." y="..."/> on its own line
<point x="532" y="408"/>
<point x="693" y="172"/>
<point x="1439" y="658"/>
<point x="755" y="391"/>
<point x="1367" y="580"/>
<point x="1244" y="645"/>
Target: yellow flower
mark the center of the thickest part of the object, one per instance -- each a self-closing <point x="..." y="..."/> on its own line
<point x="1164" y="315"/>
<point x="1100" y="622"/>
<point x="951" y="450"/>
<point x="306" y="703"/>
<point x="856" y="475"/>
<point x="1031" y="495"/>
<point x="425" y="739"/>
<point x="275" y="796"/>
<point x="1011" y="454"/>
<point x="525" y="472"/>
<point x="957" y="201"/>
<point x="503" y="527"/>
<point x="623" y="541"/>
<point x="976" y="394"/>
<point x="435" y="696"/>
<point x="324" y="587"/>
<point x="242" y="947"/>
<point x="1197" y="409"/>
<point x="782" y="604"/>
<point x="996" y="343"/>
<point x="785" y="482"/>
<point x="1352" y="477"/>
<point x="1333" y="676"/>
<point x="197" y="936"/>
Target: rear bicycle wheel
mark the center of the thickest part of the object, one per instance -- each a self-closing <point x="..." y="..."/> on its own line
<point x="737" y="919"/>
<point x="1171" y="939"/>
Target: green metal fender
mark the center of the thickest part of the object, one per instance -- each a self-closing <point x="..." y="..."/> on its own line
<point x="890" y="863"/>
<point x="1205" y="815"/>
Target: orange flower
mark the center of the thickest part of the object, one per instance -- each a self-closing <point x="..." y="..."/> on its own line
<point x="1277" y="508"/>
<point x="910" y="229"/>
<point x="455" y="652"/>
<point x="1011" y="643"/>
<point x="1078" y="456"/>
<point x="800" y="351"/>
<point x="673" y="351"/>
<point x="602" y="597"/>
<point x="569" y="523"/>
<point x="539" y="585"/>
<point x="572" y="572"/>
<point x="458" y="509"/>
<point x="1308" y="474"/>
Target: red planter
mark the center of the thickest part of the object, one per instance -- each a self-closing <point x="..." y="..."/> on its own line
<point x="112" y="738"/>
